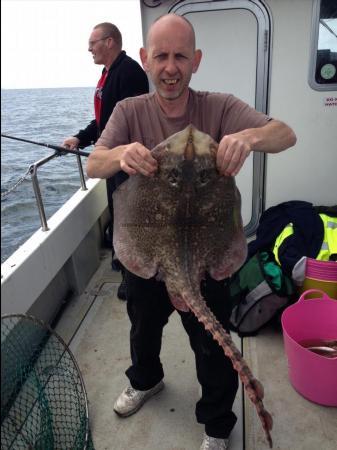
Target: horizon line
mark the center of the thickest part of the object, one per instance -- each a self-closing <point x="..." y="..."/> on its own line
<point x="46" y="87"/>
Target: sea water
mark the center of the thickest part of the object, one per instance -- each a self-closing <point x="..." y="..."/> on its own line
<point x="47" y="116"/>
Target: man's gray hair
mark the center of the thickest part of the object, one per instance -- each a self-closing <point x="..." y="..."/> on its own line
<point x="110" y="30"/>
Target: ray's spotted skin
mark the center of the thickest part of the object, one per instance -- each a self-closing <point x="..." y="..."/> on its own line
<point x="181" y="223"/>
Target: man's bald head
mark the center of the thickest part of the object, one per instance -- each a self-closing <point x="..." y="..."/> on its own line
<point x="173" y="22"/>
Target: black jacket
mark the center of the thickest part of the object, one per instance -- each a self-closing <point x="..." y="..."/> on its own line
<point x="306" y="239"/>
<point x="125" y="79"/>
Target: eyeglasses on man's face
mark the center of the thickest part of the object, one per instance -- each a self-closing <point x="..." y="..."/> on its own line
<point x="91" y="43"/>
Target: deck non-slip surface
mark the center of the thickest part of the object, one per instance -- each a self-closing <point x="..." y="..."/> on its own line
<point x="97" y="325"/>
<point x="101" y="347"/>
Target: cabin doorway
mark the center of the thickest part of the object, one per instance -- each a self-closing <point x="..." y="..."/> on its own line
<point x="235" y="39"/>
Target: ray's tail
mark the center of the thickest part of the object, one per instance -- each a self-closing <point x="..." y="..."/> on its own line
<point x="252" y="386"/>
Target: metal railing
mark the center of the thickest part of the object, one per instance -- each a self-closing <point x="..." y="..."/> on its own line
<point x="33" y="173"/>
<point x="32" y="170"/>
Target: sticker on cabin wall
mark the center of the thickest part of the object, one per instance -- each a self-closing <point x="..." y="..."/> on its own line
<point x="328" y="71"/>
<point x="330" y="101"/>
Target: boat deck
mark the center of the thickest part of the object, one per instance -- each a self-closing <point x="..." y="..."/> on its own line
<point x="97" y="327"/>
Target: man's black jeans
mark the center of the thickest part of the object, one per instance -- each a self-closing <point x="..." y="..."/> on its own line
<point x="149" y="308"/>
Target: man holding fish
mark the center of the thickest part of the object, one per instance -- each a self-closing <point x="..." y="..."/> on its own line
<point x="136" y="126"/>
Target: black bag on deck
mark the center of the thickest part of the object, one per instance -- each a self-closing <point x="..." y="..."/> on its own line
<point x="259" y="290"/>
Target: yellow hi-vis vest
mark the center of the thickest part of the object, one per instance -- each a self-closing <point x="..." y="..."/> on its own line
<point x="329" y="244"/>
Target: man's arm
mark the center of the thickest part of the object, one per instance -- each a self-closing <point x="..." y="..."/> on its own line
<point x="233" y="150"/>
<point x="83" y="138"/>
<point x="131" y="158"/>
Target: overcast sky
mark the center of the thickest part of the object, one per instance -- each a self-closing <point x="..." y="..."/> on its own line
<point x="44" y="43"/>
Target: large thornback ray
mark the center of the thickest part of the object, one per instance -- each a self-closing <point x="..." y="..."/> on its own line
<point x="180" y="223"/>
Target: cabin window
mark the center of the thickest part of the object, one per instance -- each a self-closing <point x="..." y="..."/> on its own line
<point x="323" y="74"/>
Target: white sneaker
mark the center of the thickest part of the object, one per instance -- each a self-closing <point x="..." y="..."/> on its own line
<point x="131" y="400"/>
<point x="211" y="443"/>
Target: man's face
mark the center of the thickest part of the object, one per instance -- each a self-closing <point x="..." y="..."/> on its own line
<point x="98" y="46"/>
<point x="170" y="60"/>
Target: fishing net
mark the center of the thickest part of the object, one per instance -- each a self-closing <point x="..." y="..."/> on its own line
<point x="43" y="399"/>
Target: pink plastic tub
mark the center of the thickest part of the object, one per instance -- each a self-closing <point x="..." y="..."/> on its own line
<point x="321" y="275"/>
<point x="321" y="270"/>
<point x="314" y="376"/>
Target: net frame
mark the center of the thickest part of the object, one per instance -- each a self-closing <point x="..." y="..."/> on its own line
<point x="44" y="403"/>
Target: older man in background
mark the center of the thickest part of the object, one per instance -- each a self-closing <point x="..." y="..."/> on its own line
<point x="121" y="77"/>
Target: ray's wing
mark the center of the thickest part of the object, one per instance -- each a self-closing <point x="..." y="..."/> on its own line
<point x="144" y="215"/>
<point x="133" y="235"/>
<point x="231" y="248"/>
